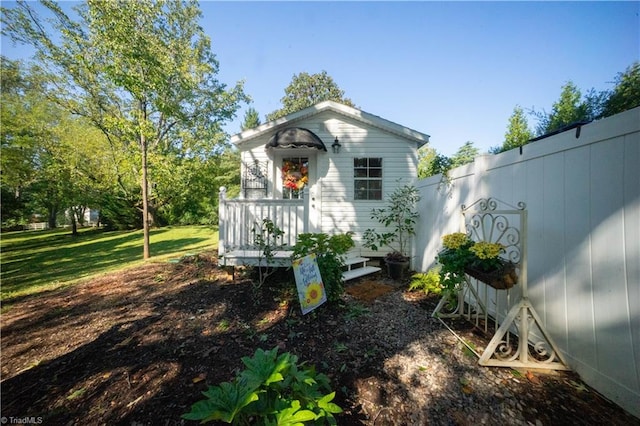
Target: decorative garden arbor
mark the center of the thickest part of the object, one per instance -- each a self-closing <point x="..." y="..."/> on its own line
<point x="520" y="338"/>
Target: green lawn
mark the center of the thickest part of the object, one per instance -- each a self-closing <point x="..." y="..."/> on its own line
<point x="42" y="260"/>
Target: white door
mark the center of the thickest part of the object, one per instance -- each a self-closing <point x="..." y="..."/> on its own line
<point x="295" y="171"/>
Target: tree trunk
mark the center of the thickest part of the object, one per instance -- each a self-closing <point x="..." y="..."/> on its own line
<point x="145" y="199"/>
<point x="53" y="212"/>
<point x="74" y="224"/>
<point x="80" y="212"/>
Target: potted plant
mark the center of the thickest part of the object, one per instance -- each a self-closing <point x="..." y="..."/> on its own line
<point x="399" y="216"/>
<point x="461" y="255"/>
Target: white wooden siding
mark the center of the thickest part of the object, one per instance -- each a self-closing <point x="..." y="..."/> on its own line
<point x="583" y="201"/>
<point x="333" y="189"/>
<point x="340" y="212"/>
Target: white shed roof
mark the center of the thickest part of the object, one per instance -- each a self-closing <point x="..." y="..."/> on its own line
<point x="354" y="113"/>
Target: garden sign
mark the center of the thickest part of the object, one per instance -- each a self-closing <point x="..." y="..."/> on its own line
<point x="309" y="283"/>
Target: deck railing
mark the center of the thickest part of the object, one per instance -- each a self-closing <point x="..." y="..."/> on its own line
<point x="238" y="217"/>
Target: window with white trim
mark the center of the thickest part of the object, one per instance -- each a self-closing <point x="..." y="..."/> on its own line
<point x="367" y="174"/>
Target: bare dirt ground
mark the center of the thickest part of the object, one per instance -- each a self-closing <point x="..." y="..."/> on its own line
<point x="138" y="347"/>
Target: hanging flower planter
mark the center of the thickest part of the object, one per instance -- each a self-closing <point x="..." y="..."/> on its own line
<point x="501" y="278"/>
<point x="481" y="260"/>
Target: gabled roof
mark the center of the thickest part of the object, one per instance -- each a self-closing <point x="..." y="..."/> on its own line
<point x="354" y="113"/>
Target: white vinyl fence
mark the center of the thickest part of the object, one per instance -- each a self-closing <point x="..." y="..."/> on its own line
<point x="582" y="193"/>
<point x="37" y="226"/>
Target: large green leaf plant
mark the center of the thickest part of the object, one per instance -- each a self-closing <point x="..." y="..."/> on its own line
<point x="272" y="390"/>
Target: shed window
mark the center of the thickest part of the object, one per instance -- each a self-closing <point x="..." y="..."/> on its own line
<point x="367" y="173"/>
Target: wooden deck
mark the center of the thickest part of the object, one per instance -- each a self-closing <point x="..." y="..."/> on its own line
<point x="238" y="219"/>
<point x="281" y="258"/>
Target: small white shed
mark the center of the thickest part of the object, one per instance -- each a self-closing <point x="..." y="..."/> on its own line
<point x="321" y="169"/>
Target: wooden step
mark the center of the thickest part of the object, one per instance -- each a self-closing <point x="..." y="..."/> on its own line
<point x="359" y="272"/>
<point x="353" y="260"/>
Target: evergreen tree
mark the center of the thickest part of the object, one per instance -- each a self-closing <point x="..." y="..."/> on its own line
<point x="465" y="154"/>
<point x="518" y="132"/>
<point x="566" y="110"/>
<point x="251" y="119"/>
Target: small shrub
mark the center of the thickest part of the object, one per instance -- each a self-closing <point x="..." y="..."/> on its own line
<point x="330" y="251"/>
<point x="428" y="282"/>
<point x="273" y="389"/>
<point x="268" y="238"/>
<point x="399" y="216"/>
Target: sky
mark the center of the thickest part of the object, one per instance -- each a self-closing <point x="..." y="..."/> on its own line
<point x="452" y="70"/>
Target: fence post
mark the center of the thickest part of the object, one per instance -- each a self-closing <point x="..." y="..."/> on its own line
<point x="222" y="221"/>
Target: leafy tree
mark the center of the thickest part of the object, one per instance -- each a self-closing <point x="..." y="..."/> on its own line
<point x="565" y="110"/>
<point x="52" y="184"/>
<point x="251" y="119"/>
<point x="142" y="72"/>
<point x="84" y="166"/>
<point x="194" y="198"/>
<point x="426" y="155"/>
<point x="52" y="161"/>
<point x="431" y="162"/>
<point x="18" y="145"/>
<point x="306" y="90"/>
<point x="626" y="93"/>
<point x="572" y="107"/>
<point x="29" y="168"/>
<point x="465" y="154"/>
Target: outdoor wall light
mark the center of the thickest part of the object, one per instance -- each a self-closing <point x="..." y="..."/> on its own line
<point x="336" y="146"/>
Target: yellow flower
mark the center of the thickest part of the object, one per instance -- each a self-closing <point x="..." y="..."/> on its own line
<point x="485" y="250"/>
<point x="314" y="293"/>
<point x="455" y="240"/>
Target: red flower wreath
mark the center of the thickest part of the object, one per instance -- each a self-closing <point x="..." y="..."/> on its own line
<point x="294" y="175"/>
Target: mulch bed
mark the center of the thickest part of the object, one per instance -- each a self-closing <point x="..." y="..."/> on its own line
<point x="369" y="290"/>
<point x="138" y="347"/>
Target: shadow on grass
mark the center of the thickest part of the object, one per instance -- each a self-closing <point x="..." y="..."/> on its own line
<point x="48" y="260"/>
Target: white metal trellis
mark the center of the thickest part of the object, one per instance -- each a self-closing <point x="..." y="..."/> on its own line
<point x="520" y="339"/>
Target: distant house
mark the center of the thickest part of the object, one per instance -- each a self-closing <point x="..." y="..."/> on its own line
<point x="91" y="217"/>
<point x="321" y="169"/>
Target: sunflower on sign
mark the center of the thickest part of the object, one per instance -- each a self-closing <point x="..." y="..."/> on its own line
<point x="313" y="295"/>
<point x="311" y="291"/>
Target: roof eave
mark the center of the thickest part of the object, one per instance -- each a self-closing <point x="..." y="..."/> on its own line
<point x="365" y="117"/>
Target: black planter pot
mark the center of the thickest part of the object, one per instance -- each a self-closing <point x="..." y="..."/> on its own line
<point x="396" y="269"/>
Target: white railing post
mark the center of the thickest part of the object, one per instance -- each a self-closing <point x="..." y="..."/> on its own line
<point x="222" y="221"/>
<point x="307" y="208"/>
